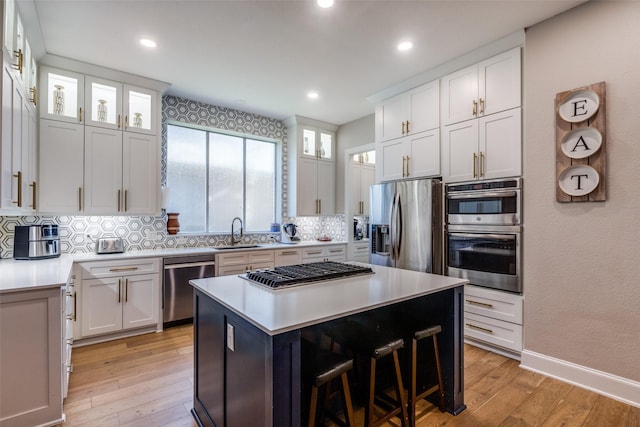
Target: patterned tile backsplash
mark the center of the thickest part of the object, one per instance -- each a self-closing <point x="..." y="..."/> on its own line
<point x="150" y="232"/>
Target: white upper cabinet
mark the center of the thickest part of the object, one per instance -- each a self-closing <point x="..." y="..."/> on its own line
<point x="409" y="113"/>
<point x="482" y="89"/>
<point x="61" y="95"/>
<point x="487" y="148"/>
<point x="118" y="140"/>
<point x="317" y="143"/>
<point x="414" y="156"/>
<point x="362" y="170"/>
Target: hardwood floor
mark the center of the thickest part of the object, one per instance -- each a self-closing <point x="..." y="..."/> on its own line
<point x="148" y="381"/>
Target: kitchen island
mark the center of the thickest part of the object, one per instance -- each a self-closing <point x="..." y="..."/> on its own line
<point x="247" y="337"/>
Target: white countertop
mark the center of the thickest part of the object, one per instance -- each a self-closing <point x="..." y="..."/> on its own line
<point x="282" y="310"/>
<point x="22" y="275"/>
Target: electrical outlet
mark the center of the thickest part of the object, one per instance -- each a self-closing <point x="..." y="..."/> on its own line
<point x="230" y="337"/>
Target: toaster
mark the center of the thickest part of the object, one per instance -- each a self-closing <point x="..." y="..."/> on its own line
<point x="109" y="245"/>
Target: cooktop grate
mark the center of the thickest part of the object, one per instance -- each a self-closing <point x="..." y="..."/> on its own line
<point x="291" y="275"/>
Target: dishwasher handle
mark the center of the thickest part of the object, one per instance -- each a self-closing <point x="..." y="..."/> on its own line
<point x="188" y="264"/>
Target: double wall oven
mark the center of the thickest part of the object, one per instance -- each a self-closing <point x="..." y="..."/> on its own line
<point x="484" y="233"/>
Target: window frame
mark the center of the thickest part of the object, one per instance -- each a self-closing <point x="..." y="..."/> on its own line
<point x="277" y="181"/>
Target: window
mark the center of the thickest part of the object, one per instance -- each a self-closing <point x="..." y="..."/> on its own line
<point x="214" y="177"/>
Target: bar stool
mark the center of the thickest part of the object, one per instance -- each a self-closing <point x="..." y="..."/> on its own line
<point x="371" y="346"/>
<point x="414" y="397"/>
<point x="320" y="368"/>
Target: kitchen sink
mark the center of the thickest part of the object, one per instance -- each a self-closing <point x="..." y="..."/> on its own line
<point x="222" y="248"/>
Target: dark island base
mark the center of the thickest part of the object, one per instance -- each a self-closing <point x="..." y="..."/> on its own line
<point x="255" y="380"/>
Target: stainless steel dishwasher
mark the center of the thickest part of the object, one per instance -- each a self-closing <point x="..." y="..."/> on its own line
<point x="177" y="293"/>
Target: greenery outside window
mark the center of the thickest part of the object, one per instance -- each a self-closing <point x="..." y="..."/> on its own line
<point x="214" y="177"/>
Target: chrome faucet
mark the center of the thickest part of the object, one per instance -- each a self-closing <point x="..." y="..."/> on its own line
<point x="233" y="240"/>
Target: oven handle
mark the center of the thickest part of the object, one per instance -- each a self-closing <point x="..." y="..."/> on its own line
<point x="482" y="195"/>
<point x="475" y="235"/>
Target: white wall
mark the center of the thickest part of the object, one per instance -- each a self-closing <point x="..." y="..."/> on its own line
<point x="582" y="260"/>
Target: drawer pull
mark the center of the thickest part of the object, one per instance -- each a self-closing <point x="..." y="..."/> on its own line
<point x="489" y="331"/>
<point x="333" y="251"/>
<point x="75" y="306"/>
<point x="123" y="269"/>
<point x="482" y="304"/>
<point x="289" y="253"/>
<point x="314" y="252"/>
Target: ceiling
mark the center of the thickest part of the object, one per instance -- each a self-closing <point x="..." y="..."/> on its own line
<point x="264" y="56"/>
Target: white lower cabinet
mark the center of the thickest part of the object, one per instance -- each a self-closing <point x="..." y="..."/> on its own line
<point x="493" y="319"/>
<point x="31" y="338"/>
<point x="336" y="253"/>
<point x="240" y="262"/>
<point x="287" y="257"/>
<point x="359" y="251"/>
<point x="119" y="296"/>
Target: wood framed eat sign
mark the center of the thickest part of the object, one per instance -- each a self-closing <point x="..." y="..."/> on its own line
<point x="581" y="144"/>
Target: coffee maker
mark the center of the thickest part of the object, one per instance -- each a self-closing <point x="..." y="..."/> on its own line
<point x="289" y="233"/>
<point x="36" y="241"/>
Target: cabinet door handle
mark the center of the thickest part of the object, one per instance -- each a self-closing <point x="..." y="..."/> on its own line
<point x="34" y="99"/>
<point x="407" y="165"/>
<point x="481" y="164"/>
<point x="126" y="290"/>
<point x="489" y="331"/>
<point x="118" y="199"/>
<point x="475" y="170"/>
<point x="482" y="304"/>
<point x="481" y="106"/>
<point x="79" y="198"/>
<point x="404" y="158"/>
<point x="80" y="114"/>
<point x="407" y="126"/>
<point x="75" y="306"/>
<point x="19" y="201"/>
<point x="118" y="121"/>
<point x="403" y="128"/>
<point x="34" y="194"/>
<point x="126" y="122"/>
<point x="319" y="206"/>
<point x="474" y="110"/>
<point x="119" y="290"/>
<point x="20" y="58"/>
<point x="125" y="200"/>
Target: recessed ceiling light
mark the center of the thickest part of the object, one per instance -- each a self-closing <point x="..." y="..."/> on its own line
<point x="313" y="95"/>
<point x="324" y="3"/>
<point x="147" y="43"/>
<point x="405" y="46"/>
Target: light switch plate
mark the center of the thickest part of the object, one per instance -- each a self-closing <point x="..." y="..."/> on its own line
<point x="230" y="337"/>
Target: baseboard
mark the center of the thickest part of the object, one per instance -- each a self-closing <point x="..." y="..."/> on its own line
<point x="615" y="387"/>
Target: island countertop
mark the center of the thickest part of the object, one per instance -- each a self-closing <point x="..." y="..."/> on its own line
<point x="276" y="311"/>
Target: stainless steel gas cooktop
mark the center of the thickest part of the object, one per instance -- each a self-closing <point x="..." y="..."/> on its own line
<point x="301" y="274"/>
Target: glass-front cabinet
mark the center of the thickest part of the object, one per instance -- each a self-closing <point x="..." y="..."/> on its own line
<point x="317" y="143"/>
<point x="117" y="106"/>
<point x="103" y="100"/>
<point x="140" y="110"/>
<point x="61" y="95"/>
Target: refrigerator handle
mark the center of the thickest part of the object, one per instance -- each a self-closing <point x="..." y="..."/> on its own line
<point x="398" y="229"/>
<point x="392" y="224"/>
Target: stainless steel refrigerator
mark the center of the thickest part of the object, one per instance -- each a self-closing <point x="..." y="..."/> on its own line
<point x="406" y="225"/>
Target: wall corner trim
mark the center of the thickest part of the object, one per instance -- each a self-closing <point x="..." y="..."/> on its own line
<point x="606" y="384"/>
